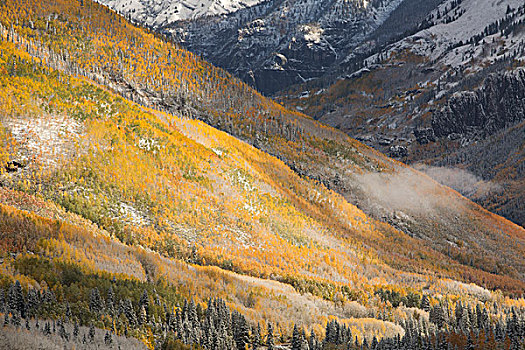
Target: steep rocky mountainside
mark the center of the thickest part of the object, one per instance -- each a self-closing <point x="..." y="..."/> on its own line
<point x="275" y="44"/>
<point x="157" y="13"/>
<point x="490" y="126"/>
<point x="282" y="42"/>
<point x="441" y="96"/>
<point x="496" y="105"/>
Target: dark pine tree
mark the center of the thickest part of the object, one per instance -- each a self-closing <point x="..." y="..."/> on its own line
<point x="96" y="304"/>
<point x="269" y="338"/>
<point x="16" y="301"/>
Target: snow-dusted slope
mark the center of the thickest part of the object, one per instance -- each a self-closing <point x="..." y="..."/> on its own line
<point x="162" y="12"/>
<point x="459" y="33"/>
<point x="281" y="42"/>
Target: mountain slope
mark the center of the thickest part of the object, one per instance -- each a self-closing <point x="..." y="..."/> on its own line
<point x="189" y="192"/>
<point x="109" y="179"/>
<point x="280" y="42"/>
<point x="274" y="45"/>
<point x="199" y="190"/>
<point x="182" y="84"/>
<point x="158" y="13"/>
<point x="442" y="96"/>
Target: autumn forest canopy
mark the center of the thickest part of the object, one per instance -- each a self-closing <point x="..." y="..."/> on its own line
<point x="151" y="200"/>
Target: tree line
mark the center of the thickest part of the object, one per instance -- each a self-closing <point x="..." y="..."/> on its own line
<point x="217" y="326"/>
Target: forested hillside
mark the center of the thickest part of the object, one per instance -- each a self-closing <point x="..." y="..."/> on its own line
<point x="124" y="216"/>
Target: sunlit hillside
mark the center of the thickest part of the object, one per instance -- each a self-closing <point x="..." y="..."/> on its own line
<point x="92" y="41"/>
<point x="108" y="178"/>
<point x="184" y="189"/>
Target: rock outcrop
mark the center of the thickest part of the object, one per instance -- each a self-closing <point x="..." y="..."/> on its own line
<point x="498" y="103"/>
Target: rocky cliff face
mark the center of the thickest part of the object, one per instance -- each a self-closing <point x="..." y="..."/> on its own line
<point x="489" y="126"/>
<point x="275" y="44"/>
<point x="499" y="103"/>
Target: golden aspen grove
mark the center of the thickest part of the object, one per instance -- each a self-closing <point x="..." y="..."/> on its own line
<point x="132" y="167"/>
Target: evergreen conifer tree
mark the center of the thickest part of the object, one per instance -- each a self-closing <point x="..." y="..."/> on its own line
<point x="241" y="331"/>
<point x="108" y="340"/>
<point x="470" y="343"/>
<point x="312" y="341"/>
<point x="2" y="300"/>
<point x="256" y="336"/>
<point x="47" y="329"/>
<point x="33" y="302"/>
<point x="143" y="316"/>
<point x="62" y="331"/>
<point x="425" y="303"/>
<point x="374" y="343"/>
<point x="129" y="312"/>
<point x="95" y="301"/>
<point x="91" y="334"/>
<point x="437" y="316"/>
<point x="75" y="329"/>
<point x="296" y="338"/>
<point x="68" y="312"/>
<point x="304" y="342"/>
<point x="269" y="338"/>
<point x="110" y="301"/>
<point x="15" y="319"/>
<point x="16" y="301"/>
<point x="365" y="344"/>
<point x="144" y="301"/>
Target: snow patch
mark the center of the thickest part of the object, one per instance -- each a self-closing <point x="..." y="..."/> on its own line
<point x="312" y="33"/>
<point x="217" y="151"/>
<point x="473" y="16"/>
<point x="240" y="178"/>
<point x="131" y="215"/>
<point x="45" y="139"/>
<point x="157" y="13"/>
<point x="148" y="145"/>
<point x="251" y="29"/>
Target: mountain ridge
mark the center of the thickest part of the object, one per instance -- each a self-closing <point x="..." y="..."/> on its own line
<point x="161" y="13"/>
<point x="279" y="43"/>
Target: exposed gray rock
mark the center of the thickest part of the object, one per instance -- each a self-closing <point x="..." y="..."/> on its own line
<point x="425" y="135"/>
<point x="498" y="103"/>
<point x="397" y="151"/>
